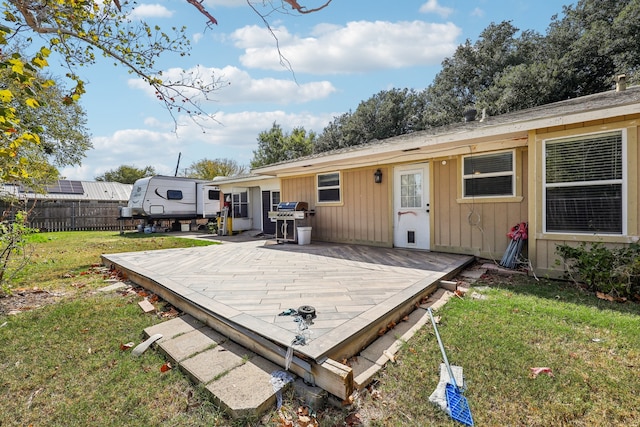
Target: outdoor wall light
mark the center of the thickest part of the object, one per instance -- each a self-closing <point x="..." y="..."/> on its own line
<point x="377" y="177"/>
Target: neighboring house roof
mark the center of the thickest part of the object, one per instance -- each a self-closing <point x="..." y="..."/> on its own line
<point x="73" y="190"/>
<point x="235" y="179"/>
<point x="456" y="138"/>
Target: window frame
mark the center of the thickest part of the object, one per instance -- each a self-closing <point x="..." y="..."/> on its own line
<point x="512" y="174"/>
<point x="237" y="204"/>
<point x="622" y="182"/>
<point x="328" y="187"/>
<point x="174" y="195"/>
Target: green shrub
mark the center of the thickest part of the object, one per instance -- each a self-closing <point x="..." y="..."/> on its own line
<point x="212" y="227"/>
<point x="613" y="271"/>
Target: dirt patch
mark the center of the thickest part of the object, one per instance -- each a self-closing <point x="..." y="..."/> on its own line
<point x="22" y="300"/>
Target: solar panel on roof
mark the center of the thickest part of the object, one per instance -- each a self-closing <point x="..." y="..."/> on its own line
<point x="65" y="186"/>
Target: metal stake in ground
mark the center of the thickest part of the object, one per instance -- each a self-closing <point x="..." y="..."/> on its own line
<point x="457" y="403"/>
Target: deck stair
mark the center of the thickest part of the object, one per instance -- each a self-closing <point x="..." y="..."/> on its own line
<point x="239" y="380"/>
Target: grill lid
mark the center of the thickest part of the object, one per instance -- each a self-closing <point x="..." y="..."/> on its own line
<point x="293" y="206"/>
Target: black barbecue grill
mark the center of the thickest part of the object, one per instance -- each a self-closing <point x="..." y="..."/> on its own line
<point x="288" y="217"/>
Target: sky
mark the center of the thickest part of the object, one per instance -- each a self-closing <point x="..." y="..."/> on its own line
<point x="339" y="57"/>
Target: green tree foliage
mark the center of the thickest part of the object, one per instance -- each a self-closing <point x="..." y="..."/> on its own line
<point x="467" y="79"/>
<point x="508" y="70"/>
<point x="126" y="174"/>
<point x="275" y="146"/>
<point x="61" y="127"/>
<point x="209" y="169"/>
<point x="386" y="114"/>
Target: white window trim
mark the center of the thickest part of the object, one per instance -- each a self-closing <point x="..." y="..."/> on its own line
<point x="240" y="203"/>
<point x="274" y="206"/>
<point x="489" y="175"/>
<point x="623" y="181"/>
<point x="331" y="187"/>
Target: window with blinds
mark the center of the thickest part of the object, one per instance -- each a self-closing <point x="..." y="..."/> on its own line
<point x="489" y="175"/>
<point x="583" y="181"/>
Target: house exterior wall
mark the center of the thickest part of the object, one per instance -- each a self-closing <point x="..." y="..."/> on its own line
<point x="476" y="226"/>
<point x="542" y="246"/>
<point x="479" y="226"/>
<point x="362" y="217"/>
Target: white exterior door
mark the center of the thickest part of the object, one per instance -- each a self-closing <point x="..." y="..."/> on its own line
<point x="411" y="206"/>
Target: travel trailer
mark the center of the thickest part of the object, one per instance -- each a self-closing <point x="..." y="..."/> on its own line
<point x="172" y="198"/>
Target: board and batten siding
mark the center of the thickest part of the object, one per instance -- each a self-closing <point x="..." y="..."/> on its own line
<point x="542" y="248"/>
<point x="362" y="217"/>
<point x="475" y="227"/>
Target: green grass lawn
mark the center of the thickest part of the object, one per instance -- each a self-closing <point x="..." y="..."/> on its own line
<point x="61" y="364"/>
<point x="591" y="346"/>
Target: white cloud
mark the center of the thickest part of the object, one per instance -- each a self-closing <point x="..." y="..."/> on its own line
<point x="477" y="12"/>
<point x="356" y="47"/>
<point x="151" y="11"/>
<point x="432" y="6"/>
<point x="238" y="86"/>
<point x="232" y="137"/>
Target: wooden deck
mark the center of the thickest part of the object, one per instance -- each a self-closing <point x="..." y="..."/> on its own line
<point x="240" y="289"/>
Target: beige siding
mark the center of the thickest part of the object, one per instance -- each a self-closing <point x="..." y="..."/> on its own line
<point x="543" y="248"/>
<point x="362" y="217"/>
<point x="478" y="227"/>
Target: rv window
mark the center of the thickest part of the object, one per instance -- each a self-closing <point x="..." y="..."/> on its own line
<point x="214" y="194"/>
<point x="174" y="194"/>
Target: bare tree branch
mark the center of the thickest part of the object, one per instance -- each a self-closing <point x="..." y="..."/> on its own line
<point x="301" y="9"/>
<point x="198" y="5"/>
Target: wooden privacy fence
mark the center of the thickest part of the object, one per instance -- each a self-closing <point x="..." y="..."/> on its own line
<point x="78" y="216"/>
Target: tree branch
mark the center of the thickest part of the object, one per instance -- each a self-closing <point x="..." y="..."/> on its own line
<point x="198" y="5"/>
<point x="301" y="9"/>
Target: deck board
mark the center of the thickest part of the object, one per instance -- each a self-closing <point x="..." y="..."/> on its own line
<point x="250" y="283"/>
